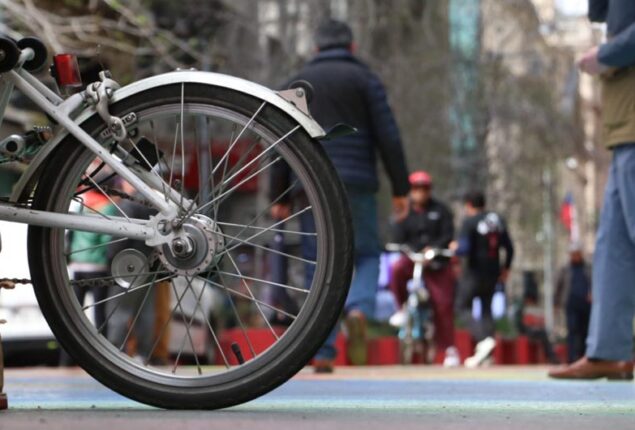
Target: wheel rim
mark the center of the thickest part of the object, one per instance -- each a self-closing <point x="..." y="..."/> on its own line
<point x="197" y="375"/>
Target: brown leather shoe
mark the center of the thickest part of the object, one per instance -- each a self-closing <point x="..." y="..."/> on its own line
<point x="594" y="369"/>
<point x="321" y="366"/>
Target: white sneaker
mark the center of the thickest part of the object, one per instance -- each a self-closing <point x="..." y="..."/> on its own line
<point x="482" y="352"/>
<point x="398" y="319"/>
<point x="452" y="358"/>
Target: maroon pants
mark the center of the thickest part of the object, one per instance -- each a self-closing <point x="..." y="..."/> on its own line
<point x="440" y="284"/>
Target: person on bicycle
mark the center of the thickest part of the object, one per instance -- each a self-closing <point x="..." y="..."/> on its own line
<point x="347" y="91"/>
<point x="429" y="224"/>
<point x="482" y="236"/>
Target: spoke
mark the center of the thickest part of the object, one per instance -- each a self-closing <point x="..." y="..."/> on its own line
<point x="262" y="314"/>
<point x="176" y="134"/>
<point x="209" y="326"/>
<point x="235" y="187"/>
<point x="137" y="314"/>
<point x="266" y="209"/>
<point x="217" y="207"/>
<point x="187" y="331"/>
<point x="276" y="230"/>
<point x="165" y="326"/>
<point x="240" y="321"/>
<point x="124" y="293"/>
<point x="266" y="248"/>
<point x="245" y="296"/>
<point x="150" y="166"/>
<point x="84" y="205"/>
<point x="182" y="145"/>
<point x="159" y="158"/>
<point x="253" y="236"/>
<point x="108" y="197"/>
<point x="96" y="246"/>
<point x="221" y="187"/>
<point x="264" y="281"/>
<point x="105" y="278"/>
<point x="259" y="156"/>
<point x="233" y="143"/>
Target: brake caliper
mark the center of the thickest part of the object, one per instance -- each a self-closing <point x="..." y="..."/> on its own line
<point x="99" y="94"/>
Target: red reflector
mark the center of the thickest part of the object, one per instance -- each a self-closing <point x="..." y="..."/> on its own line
<point x="67" y="71"/>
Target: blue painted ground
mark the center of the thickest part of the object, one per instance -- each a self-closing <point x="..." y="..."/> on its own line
<point x="415" y="397"/>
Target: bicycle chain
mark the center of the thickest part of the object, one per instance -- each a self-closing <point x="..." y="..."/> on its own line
<point x="14" y="281"/>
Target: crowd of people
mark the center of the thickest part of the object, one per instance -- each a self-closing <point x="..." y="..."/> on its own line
<point x="346" y="90"/>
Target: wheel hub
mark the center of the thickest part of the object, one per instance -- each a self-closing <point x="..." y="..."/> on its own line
<point x="194" y="249"/>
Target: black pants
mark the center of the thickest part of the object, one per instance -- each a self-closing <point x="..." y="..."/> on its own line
<point x="577" y="330"/>
<point x="475" y="285"/>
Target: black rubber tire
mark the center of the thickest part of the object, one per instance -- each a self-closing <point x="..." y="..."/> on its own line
<point x="268" y="370"/>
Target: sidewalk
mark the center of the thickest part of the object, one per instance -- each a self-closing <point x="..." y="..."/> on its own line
<point x="377" y="397"/>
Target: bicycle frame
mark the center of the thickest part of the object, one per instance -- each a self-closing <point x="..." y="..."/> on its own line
<point x="60" y="110"/>
<point x="145" y="182"/>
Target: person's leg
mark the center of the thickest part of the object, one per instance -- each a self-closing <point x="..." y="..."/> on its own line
<point x="486" y="294"/>
<point x="309" y="251"/>
<point x="401" y="273"/>
<point x="100" y="294"/>
<point x="584" y="316"/>
<point x="162" y="308"/>
<point x="464" y="298"/>
<point x="145" y="314"/>
<point x="440" y="284"/>
<point x="118" y="317"/>
<point x="363" y="291"/>
<point x="611" y="326"/>
<point x="309" y="246"/>
<point x="573" y="336"/>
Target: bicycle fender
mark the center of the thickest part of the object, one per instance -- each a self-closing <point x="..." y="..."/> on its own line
<point x="27" y="181"/>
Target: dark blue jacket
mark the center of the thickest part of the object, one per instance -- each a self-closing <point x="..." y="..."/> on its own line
<point x="619" y="16"/>
<point x="347" y="91"/>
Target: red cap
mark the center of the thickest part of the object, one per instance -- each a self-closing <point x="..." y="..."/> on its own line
<point x="420" y="178"/>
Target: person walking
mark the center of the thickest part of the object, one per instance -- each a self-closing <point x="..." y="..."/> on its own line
<point x="429" y="224"/>
<point x="347" y="91"/>
<point x="482" y="236"/>
<point x="573" y="294"/>
<point x="609" y="345"/>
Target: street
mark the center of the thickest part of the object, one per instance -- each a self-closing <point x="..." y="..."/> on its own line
<point x="375" y="397"/>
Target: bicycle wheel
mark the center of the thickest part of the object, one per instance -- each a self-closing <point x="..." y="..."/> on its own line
<point x="195" y="329"/>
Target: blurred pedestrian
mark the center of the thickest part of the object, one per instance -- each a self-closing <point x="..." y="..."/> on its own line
<point x="429" y="224"/>
<point x="482" y="237"/>
<point x="347" y="91"/>
<point x="573" y="295"/>
<point x="529" y="318"/>
<point x="609" y="345"/>
<point x="88" y="260"/>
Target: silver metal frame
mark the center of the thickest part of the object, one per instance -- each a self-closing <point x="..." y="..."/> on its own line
<point x="61" y="110"/>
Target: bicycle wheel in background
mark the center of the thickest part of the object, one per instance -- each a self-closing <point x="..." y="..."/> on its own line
<point x="192" y="329"/>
